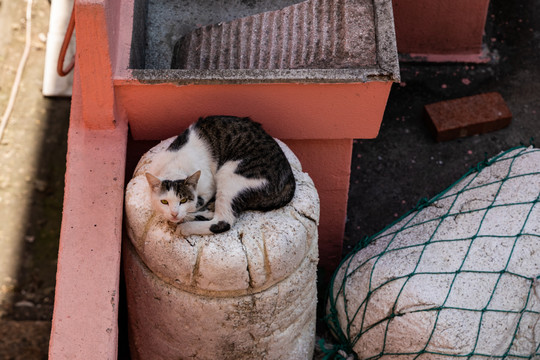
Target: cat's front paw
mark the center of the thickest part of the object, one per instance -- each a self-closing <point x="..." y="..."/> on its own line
<point x="187" y="229"/>
<point x="183" y="230"/>
<point x="193" y="228"/>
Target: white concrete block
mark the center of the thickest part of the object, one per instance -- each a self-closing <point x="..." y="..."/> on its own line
<point x="248" y="293"/>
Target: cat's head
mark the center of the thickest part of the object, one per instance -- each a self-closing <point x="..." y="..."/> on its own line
<point x="174" y="199"/>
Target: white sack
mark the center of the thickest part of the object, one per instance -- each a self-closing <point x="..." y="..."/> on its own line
<point x="456" y="277"/>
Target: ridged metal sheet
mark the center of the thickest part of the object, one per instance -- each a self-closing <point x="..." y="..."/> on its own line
<point x="322" y="34"/>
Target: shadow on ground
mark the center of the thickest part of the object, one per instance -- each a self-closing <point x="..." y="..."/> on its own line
<point x="27" y="312"/>
<point x="392" y="173"/>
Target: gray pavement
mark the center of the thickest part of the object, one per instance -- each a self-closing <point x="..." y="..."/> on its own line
<point x="404" y="164"/>
<point x="32" y="158"/>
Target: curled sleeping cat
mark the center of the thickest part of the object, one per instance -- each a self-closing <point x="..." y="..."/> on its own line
<point x="224" y="158"/>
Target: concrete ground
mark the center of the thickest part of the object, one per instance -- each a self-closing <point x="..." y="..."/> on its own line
<point x="32" y="158"/>
<point x="404" y="164"/>
<point x="390" y="174"/>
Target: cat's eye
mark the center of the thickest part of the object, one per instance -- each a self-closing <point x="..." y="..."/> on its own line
<point x="183" y="201"/>
<point x="164" y="202"/>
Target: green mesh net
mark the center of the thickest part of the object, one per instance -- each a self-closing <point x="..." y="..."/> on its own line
<point x="458" y="276"/>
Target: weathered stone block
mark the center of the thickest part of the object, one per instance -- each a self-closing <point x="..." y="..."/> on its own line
<point x="322" y="34"/>
<point x="244" y="294"/>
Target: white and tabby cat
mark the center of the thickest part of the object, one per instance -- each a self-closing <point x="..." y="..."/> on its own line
<point x="224" y="158"/>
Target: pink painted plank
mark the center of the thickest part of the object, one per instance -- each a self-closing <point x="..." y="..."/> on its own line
<point x="287" y="111"/>
<point x="93" y="58"/>
<point x="87" y="282"/>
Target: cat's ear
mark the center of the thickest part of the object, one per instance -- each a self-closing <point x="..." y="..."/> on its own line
<point x="153" y="181"/>
<point x="193" y="179"/>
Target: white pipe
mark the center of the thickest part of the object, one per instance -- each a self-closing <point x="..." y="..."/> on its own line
<point x="53" y="84"/>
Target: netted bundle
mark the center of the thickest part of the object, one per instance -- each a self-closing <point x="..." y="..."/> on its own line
<point x="458" y="277"/>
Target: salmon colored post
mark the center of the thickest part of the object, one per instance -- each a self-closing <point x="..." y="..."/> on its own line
<point x="93" y="58"/>
<point x="85" y="319"/>
<point x="441" y="30"/>
<point x="328" y="162"/>
<point x="87" y="284"/>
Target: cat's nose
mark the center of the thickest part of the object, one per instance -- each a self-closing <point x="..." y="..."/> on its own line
<point x="174" y="214"/>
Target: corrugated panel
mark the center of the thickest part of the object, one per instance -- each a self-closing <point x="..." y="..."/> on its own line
<point x="311" y="34"/>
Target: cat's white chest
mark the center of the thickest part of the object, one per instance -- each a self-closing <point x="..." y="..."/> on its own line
<point x="180" y="164"/>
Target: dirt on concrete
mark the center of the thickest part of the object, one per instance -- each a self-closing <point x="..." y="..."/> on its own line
<point x="32" y="158"/>
<point x="392" y="173"/>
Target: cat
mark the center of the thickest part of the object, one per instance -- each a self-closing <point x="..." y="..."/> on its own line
<point x="225" y="160"/>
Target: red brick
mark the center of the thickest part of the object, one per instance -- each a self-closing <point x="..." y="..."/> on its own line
<point x="467" y="116"/>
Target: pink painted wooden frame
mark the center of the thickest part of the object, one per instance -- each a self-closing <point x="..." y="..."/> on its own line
<point x="318" y="122"/>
